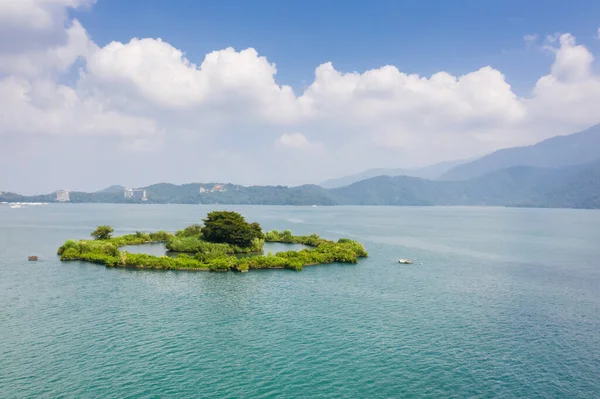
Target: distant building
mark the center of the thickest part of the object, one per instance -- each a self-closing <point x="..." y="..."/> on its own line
<point x="62" y="196"/>
<point x="217" y="188"/>
<point x="135" y="193"/>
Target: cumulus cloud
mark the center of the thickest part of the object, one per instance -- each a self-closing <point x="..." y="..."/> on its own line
<point x="51" y="60"/>
<point x="568" y="97"/>
<point x="39" y="27"/>
<point x="146" y="95"/>
<point x="442" y="101"/>
<point x="42" y="106"/>
<point x="151" y="70"/>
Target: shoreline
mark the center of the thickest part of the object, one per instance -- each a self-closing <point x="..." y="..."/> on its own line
<point x="213" y="257"/>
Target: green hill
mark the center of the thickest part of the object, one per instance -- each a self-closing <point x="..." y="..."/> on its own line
<point x="556" y="152"/>
<point x="573" y="187"/>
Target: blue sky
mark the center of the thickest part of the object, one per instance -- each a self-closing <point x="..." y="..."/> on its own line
<point x="144" y="91"/>
<point x="421" y="37"/>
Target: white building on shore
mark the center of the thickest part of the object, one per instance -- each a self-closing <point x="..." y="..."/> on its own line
<point x="62" y="196"/>
<point x="135" y="193"/>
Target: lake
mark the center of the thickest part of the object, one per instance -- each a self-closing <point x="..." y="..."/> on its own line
<point x="506" y="303"/>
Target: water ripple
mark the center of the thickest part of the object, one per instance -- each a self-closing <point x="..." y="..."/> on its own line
<point x="508" y="318"/>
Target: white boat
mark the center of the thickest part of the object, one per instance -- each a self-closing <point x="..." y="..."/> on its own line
<point x="16" y="206"/>
<point x="405" y="261"/>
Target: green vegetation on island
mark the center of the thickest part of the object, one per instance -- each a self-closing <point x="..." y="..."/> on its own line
<point x="212" y="247"/>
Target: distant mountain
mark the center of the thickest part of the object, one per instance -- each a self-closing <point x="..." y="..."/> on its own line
<point x="560" y="151"/>
<point x="581" y="190"/>
<point x="575" y="186"/>
<point x="197" y="193"/>
<point x="213" y="193"/>
<point x="113" y="189"/>
<point x="515" y="186"/>
<point x="428" y="172"/>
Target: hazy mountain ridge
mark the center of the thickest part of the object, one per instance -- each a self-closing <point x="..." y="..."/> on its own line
<point x="115" y="188"/>
<point x="428" y="172"/>
<point x="556" y="152"/>
<point x="574" y="187"/>
<point x="569" y="176"/>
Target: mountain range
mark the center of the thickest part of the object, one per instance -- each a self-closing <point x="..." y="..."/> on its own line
<point x="556" y="152"/>
<point x="562" y="172"/>
<point x="430" y="172"/>
<point x="569" y="187"/>
<point x="559" y="151"/>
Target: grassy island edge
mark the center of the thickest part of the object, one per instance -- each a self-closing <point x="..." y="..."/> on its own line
<point x="203" y="255"/>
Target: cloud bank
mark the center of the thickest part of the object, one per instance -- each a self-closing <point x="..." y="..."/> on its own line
<point x="140" y="112"/>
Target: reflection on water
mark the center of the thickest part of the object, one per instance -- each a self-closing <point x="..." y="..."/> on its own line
<point x="155" y="248"/>
<point x="159" y="249"/>
<point x="275" y="247"/>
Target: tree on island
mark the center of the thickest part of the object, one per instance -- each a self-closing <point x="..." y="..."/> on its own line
<point x="102" y="232"/>
<point x="230" y="228"/>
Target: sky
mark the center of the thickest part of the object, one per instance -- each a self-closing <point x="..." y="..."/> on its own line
<point x="95" y="93"/>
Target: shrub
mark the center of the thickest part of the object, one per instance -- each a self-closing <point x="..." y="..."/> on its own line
<point x="230" y="228"/>
<point x="194" y="230"/>
<point x="69" y="244"/>
<point x="160" y="235"/>
<point x="102" y="232"/>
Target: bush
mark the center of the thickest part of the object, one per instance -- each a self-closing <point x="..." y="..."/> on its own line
<point x="194" y="245"/>
<point x="160" y="235"/>
<point x="102" y="232"/>
<point x="69" y="244"/>
<point x="194" y="230"/>
<point x="230" y="228"/>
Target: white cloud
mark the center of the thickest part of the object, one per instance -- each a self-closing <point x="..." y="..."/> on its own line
<point x="530" y="38"/>
<point x="37" y="15"/>
<point x="482" y="96"/>
<point x="42" y="106"/>
<point x="293" y="140"/>
<point x="297" y="141"/>
<point x="573" y="62"/>
<point x="145" y="95"/>
<point x="43" y="45"/>
<point x="598" y="34"/>
<point x="154" y="71"/>
<point x="54" y="59"/>
<point x="28" y="26"/>
<point x="568" y="97"/>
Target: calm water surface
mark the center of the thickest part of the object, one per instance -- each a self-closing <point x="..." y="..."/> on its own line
<point x="506" y="304"/>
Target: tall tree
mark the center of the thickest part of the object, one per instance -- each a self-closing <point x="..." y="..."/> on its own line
<point x="231" y="228"/>
<point x="102" y="232"/>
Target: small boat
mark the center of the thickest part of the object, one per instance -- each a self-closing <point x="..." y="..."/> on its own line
<point x="14" y="206"/>
<point x="405" y="261"/>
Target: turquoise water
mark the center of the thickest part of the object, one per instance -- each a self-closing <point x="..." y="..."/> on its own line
<point x="506" y="304"/>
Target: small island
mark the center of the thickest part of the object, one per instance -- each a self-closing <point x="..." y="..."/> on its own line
<point x="217" y="245"/>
